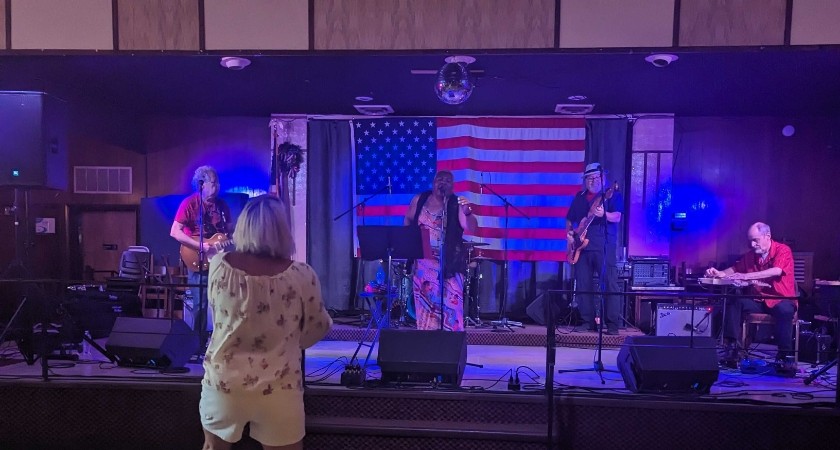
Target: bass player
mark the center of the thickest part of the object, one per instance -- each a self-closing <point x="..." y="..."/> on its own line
<point x="600" y="211"/>
<point x="204" y="207"/>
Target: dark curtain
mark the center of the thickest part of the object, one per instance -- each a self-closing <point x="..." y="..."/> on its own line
<point x="608" y="142"/>
<point x="330" y="192"/>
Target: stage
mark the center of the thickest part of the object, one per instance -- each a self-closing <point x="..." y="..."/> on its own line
<point x="92" y="403"/>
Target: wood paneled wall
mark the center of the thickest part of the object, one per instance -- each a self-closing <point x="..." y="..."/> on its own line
<point x="256" y="24"/>
<point x="616" y="23"/>
<point x="176" y="25"/>
<point x="4" y="26"/>
<point x="64" y="25"/>
<point x="732" y="172"/>
<point x="815" y="22"/>
<point x="433" y="24"/>
<point x="712" y="23"/>
<point x="158" y="24"/>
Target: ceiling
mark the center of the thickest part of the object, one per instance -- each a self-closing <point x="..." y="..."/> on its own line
<point x="787" y="81"/>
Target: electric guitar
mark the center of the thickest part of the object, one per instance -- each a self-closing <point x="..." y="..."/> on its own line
<point x="579" y="234"/>
<point x="218" y="243"/>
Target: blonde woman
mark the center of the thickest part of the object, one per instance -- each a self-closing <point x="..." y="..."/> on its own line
<point x="266" y="308"/>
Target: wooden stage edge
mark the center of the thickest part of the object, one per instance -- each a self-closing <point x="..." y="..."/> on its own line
<point x="94" y="405"/>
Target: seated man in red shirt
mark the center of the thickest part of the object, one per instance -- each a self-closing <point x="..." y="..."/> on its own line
<point x="771" y="263"/>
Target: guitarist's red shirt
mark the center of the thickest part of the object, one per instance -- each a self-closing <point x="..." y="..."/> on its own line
<point x="216" y="216"/>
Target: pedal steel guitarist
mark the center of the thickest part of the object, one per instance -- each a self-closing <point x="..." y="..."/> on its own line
<point x="185" y="230"/>
<point x="771" y="262"/>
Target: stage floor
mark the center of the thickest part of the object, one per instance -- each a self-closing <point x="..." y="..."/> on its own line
<point x="325" y="362"/>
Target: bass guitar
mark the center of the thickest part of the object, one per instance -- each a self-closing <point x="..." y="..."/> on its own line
<point x="580" y="241"/>
<point x="218" y="243"/>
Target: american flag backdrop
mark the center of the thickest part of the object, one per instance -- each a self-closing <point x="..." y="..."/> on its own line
<point x="534" y="163"/>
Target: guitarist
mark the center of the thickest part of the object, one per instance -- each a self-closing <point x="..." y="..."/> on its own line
<point x="604" y="209"/>
<point x="214" y="214"/>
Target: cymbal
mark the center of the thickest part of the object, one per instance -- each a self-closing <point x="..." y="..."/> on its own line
<point x="474" y="244"/>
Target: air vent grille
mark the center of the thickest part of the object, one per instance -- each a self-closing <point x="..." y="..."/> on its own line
<point x="102" y="180"/>
<point x="374" y="110"/>
<point x="576" y="109"/>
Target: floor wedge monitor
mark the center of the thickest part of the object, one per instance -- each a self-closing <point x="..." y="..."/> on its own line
<point x="422" y="356"/>
<point x="668" y="364"/>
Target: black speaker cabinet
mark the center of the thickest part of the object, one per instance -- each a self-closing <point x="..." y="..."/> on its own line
<point x="422" y="356"/>
<point x="163" y="343"/>
<point x="668" y="364"/>
<point x="33" y="149"/>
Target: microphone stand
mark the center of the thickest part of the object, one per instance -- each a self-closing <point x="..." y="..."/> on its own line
<point x="359" y="260"/>
<point x="598" y="364"/>
<point x="503" y="324"/>
<point x="362" y="203"/>
<point x="200" y="316"/>
<point x="442" y="245"/>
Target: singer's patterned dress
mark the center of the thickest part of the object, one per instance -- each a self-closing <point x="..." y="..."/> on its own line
<point x="427" y="285"/>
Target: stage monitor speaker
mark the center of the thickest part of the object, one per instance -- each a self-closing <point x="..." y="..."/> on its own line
<point x="162" y="343"/>
<point x="33" y="152"/>
<point x="422" y="356"/>
<point x="536" y="310"/>
<point x="668" y="364"/>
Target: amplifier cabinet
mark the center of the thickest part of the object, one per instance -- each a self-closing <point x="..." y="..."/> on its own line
<point x="680" y="320"/>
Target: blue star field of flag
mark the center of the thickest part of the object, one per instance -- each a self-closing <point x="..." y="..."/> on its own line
<point x="401" y="148"/>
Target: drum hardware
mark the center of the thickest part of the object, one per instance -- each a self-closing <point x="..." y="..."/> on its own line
<point x="472" y="283"/>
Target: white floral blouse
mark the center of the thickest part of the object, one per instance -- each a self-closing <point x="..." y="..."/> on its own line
<point x="261" y="325"/>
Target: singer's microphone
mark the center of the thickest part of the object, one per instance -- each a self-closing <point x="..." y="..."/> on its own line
<point x="389" y="185"/>
<point x="201" y="182"/>
<point x="481" y="185"/>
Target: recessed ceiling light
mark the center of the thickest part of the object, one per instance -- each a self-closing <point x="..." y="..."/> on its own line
<point x="661" y="59"/>
<point x="234" y="62"/>
<point x="364" y="98"/>
<point x="577" y="98"/>
<point x="460" y="59"/>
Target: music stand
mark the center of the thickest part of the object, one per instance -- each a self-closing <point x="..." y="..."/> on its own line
<point x="386" y="242"/>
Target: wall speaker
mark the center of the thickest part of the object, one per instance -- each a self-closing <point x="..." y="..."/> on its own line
<point x="163" y="343"/>
<point x="33" y="152"/>
<point x="422" y="356"/>
<point x="668" y="364"/>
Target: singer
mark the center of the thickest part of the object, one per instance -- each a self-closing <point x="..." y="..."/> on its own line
<point x="439" y="210"/>
<point x="185" y="230"/>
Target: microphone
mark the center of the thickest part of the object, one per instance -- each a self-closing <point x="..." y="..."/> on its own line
<point x="481" y="185"/>
<point x="389" y="184"/>
<point x="200" y="184"/>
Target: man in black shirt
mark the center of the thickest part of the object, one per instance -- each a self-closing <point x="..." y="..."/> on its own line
<point x="602" y="210"/>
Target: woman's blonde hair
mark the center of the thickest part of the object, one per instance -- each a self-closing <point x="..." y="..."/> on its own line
<point x="263" y="229"/>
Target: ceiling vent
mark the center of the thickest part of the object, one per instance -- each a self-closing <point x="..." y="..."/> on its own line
<point x="574" y="109"/>
<point x="374" y="110"/>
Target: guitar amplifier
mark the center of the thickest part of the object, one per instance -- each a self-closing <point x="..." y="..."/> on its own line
<point x="679" y="320"/>
<point x="649" y="271"/>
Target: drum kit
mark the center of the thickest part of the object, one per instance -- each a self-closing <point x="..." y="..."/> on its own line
<point x="402" y="308"/>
